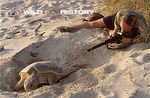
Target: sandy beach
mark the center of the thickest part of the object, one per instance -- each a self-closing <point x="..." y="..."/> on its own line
<point x="24" y="39"/>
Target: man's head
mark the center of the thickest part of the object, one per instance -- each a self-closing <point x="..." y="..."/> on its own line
<point x="127" y="22"/>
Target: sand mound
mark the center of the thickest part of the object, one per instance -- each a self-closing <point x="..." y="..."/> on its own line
<point x="108" y="75"/>
<point x="121" y="73"/>
<point x="62" y="48"/>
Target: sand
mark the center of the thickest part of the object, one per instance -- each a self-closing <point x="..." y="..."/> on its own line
<point x="121" y="73"/>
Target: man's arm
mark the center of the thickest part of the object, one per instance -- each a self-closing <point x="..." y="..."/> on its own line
<point x="126" y="41"/>
<point x="114" y="32"/>
<point x="116" y="27"/>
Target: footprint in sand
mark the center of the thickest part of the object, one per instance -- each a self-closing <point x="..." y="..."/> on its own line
<point x="108" y="94"/>
<point x="143" y="58"/>
<point x="135" y="54"/>
<point x="84" y="94"/>
<point x="109" y="69"/>
<point x="141" y="93"/>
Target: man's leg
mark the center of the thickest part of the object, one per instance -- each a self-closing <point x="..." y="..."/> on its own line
<point x="94" y="24"/>
<point x="98" y="23"/>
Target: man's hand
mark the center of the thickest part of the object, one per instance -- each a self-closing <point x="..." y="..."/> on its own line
<point x="112" y="33"/>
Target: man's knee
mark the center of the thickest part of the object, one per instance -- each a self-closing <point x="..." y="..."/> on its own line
<point x="93" y="24"/>
<point x="97" y="24"/>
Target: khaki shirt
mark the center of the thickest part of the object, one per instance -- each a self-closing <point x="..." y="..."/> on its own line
<point x="140" y="23"/>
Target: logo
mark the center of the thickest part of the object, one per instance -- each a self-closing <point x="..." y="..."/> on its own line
<point x="33" y="12"/>
<point x="80" y="12"/>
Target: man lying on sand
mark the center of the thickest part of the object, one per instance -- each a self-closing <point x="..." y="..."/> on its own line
<point x="126" y="21"/>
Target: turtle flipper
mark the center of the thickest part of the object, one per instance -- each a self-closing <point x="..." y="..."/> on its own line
<point x="52" y="81"/>
<point x="21" y="81"/>
<point x="19" y="84"/>
<point x="31" y="83"/>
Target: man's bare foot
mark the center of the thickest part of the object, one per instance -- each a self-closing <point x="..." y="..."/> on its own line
<point x="65" y="29"/>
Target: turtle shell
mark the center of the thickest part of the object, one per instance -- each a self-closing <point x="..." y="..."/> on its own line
<point x="27" y="68"/>
<point x="46" y="68"/>
<point x="42" y="67"/>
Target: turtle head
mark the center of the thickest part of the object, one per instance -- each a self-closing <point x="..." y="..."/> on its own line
<point x="31" y="83"/>
<point x="21" y="81"/>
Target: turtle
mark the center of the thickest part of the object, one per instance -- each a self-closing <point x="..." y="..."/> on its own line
<point x="43" y="72"/>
